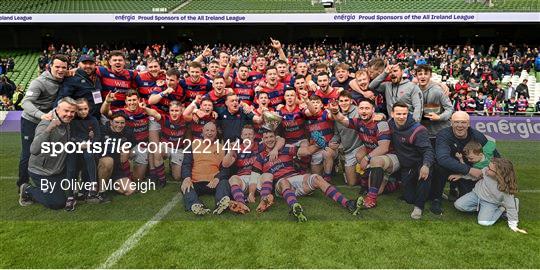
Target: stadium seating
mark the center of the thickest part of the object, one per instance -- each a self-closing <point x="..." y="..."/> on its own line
<point x="26" y="67"/>
<point x="260" y="6"/>
<point x="435" y="6"/>
<point x="251" y="6"/>
<point x="87" y="6"/>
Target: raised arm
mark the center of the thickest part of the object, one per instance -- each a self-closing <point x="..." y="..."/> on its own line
<point x="277" y="45"/>
<point x="106" y="106"/>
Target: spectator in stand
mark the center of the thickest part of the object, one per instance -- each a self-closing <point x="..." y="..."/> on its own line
<point x="510" y="91"/>
<point x="473" y="87"/>
<point x="470" y="103"/>
<point x="462" y="86"/>
<point x="522" y="104"/>
<point x="511" y="106"/>
<point x="523" y="89"/>
<point x="17" y="98"/>
<point x="537" y="107"/>
<point x="7" y="87"/>
<point x="480" y="103"/>
<point x="460" y="103"/>
<point x="489" y="106"/>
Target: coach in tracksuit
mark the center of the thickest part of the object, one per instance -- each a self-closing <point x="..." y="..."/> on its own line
<point x="413" y="149"/>
<point x="84" y="84"/>
<point x="38" y="101"/>
<point x="47" y="169"/>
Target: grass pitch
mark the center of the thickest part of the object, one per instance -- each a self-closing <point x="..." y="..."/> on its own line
<point x="385" y="237"/>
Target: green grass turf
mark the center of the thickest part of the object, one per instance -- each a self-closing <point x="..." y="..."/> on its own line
<point x="383" y="237"/>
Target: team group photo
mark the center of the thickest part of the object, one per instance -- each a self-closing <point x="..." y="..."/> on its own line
<point x="195" y="145"/>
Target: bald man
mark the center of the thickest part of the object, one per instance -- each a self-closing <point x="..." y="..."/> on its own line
<point x="452" y="140"/>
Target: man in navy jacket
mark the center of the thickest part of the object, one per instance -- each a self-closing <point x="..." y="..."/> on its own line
<point x="84" y="84"/>
<point x="450" y="141"/>
<point x="413" y="149"/>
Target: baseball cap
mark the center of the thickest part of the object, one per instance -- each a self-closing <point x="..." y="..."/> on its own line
<point x="86" y="57"/>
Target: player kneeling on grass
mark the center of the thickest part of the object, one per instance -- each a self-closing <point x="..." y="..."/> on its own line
<point x="493" y="196"/>
<point x="346" y="138"/>
<point x="173" y="129"/>
<point x="374" y="154"/>
<point x="291" y="184"/>
<point x="415" y="154"/>
<point x="113" y="166"/>
<point x="138" y="118"/>
<point x="244" y="179"/>
<point x="203" y="174"/>
<point x="320" y="125"/>
<point x="47" y="169"/>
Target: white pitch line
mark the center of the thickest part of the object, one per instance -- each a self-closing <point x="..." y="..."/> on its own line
<point x="179" y="7"/>
<point x="140" y="233"/>
<point x="519" y="191"/>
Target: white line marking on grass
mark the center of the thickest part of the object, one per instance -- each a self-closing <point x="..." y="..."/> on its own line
<point x="140" y="233"/>
<point x="519" y="191"/>
<point x="180" y="6"/>
<point x="8" y="177"/>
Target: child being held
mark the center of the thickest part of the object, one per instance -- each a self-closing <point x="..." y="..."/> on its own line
<point x="476" y="154"/>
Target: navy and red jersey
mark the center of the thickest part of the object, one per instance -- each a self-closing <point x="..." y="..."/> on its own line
<point x="209" y="76"/>
<point x="219" y="102"/>
<point x="282" y="167"/>
<point x="146" y="83"/>
<point x="326" y="97"/>
<point x="162" y="107"/>
<point x="232" y="72"/>
<point x="276" y="95"/>
<point x="244" y="91"/>
<point x="173" y="130"/>
<point x="197" y="127"/>
<point x="322" y="123"/>
<point x="255" y="76"/>
<point x="287" y="79"/>
<point x="292" y="124"/>
<point x="345" y="85"/>
<point x="119" y="83"/>
<point x="245" y="159"/>
<point x="192" y="89"/>
<point x="138" y="121"/>
<point x="371" y="132"/>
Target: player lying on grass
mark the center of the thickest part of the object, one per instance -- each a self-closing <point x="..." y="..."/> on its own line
<point x="244" y="180"/>
<point x="289" y="183"/>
